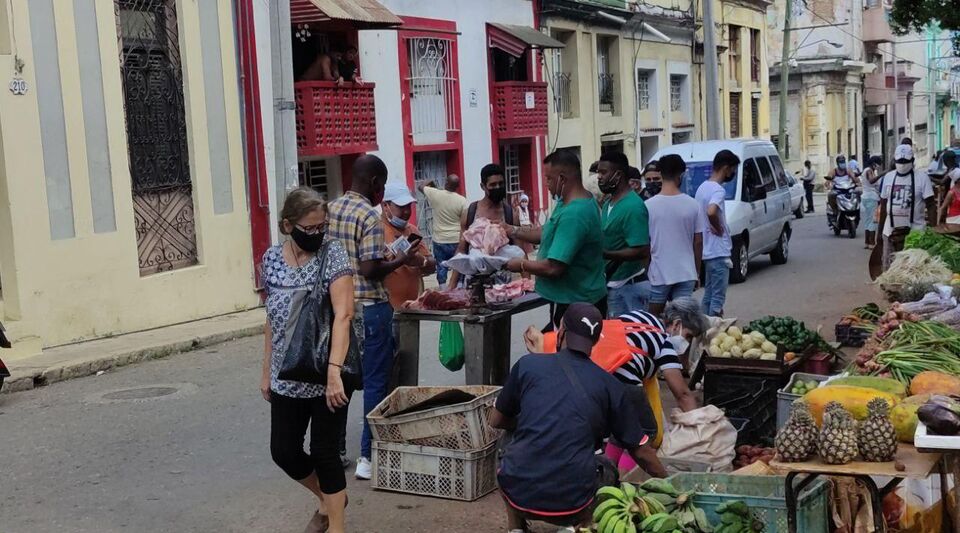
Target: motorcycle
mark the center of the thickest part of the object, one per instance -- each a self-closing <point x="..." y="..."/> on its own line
<point x="4" y="343"/>
<point x="847" y="213"/>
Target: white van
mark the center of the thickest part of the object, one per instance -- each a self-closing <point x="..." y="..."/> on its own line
<point x="758" y="205"/>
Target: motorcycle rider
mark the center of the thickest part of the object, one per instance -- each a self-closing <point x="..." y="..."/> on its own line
<point x="839" y="177"/>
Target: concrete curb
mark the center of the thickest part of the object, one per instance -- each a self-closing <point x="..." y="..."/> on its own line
<point x="27" y="379"/>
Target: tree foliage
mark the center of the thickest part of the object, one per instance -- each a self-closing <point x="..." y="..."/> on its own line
<point x="918" y="15"/>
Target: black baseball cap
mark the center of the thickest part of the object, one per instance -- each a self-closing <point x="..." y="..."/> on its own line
<point x="582" y="325"/>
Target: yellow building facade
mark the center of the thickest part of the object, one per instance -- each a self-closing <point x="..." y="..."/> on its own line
<point x="122" y="193"/>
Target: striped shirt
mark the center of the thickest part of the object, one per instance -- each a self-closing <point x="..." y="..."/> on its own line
<point x="355" y="223"/>
<point x="660" y="353"/>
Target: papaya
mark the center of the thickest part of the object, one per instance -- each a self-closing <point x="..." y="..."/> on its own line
<point x="853" y="399"/>
<point x="881" y="384"/>
<point x="931" y="382"/>
<point x="904" y="416"/>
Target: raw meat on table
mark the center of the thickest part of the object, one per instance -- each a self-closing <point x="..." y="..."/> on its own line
<point x="509" y="291"/>
<point x="435" y="300"/>
<point x="486" y="236"/>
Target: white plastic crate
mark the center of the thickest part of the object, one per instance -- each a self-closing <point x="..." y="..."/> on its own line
<point x="427" y="471"/>
<point x="454" y="427"/>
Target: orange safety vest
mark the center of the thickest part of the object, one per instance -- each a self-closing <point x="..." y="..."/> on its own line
<point x="613" y="351"/>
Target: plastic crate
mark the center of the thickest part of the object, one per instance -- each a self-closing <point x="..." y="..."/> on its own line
<point x="785" y="399"/>
<point x="849" y="335"/>
<point x="427" y="471"/>
<point x="748" y="396"/>
<point x="455" y="427"/>
<point x="763" y="494"/>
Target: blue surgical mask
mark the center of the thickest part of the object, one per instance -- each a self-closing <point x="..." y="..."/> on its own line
<point x="396" y="221"/>
<point x="842" y="166"/>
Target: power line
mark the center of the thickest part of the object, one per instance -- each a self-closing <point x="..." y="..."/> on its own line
<point x="815" y="14"/>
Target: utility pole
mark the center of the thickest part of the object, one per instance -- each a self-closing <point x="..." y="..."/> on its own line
<point x="896" y="99"/>
<point x="712" y="98"/>
<point x="784" y="81"/>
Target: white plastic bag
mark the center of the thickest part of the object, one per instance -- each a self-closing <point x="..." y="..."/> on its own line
<point x="477" y="262"/>
<point x="703" y="435"/>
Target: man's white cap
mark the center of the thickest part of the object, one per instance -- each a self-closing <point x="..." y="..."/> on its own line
<point x="397" y="193"/>
<point x="904" y="151"/>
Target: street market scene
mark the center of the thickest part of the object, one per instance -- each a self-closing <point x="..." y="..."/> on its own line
<point x="574" y="266"/>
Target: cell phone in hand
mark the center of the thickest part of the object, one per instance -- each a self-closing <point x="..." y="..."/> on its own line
<point x="413" y="238"/>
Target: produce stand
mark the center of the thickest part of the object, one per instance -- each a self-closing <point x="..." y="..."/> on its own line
<point x="917" y="466"/>
<point x="486" y="336"/>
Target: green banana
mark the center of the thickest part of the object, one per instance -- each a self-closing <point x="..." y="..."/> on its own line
<point x="608" y="519"/>
<point x="631" y="527"/>
<point x="702" y="523"/>
<point x="659" y="485"/>
<point x="651" y="521"/>
<point x="734" y="506"/>
<point x="654" y="504"/>
<point x="607" y="493"/>
<point x="606" y="507"/>
<point x="666" y="525"/>
<point x="620" y="526"/>
<point x="629" y="491"/>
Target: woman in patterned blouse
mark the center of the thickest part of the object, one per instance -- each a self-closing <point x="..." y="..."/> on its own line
<point x="290" y="271"/>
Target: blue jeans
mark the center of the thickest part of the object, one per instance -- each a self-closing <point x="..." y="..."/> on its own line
<point x="442" y="252"/>
<point x="378" y="356"/>
<point x="661" y="294"/>
<point x="717" y="275"/>
<point x="630" y="297"/>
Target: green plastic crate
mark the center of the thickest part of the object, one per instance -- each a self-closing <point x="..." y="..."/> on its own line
<point x="763" y="494"/>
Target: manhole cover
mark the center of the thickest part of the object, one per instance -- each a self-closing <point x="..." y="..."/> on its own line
<point x="141" y="393"/>
<point x="145" y="393"/>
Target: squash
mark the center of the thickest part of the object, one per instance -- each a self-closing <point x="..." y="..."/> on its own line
<point x="853" y="399"/>
<point x="882" y="384"/>
<point x="904" y="416"/>
<point x="930" y="382"/>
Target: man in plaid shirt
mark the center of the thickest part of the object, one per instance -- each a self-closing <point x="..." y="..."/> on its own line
<point x="354" y="222"/>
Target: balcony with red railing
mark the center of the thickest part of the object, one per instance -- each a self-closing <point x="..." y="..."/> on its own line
<point x="334" y="119"/>
<point x="520" y="109"/>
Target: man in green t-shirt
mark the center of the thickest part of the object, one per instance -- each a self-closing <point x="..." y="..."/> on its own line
<point x="569" y="267"/>
<point x="626" y="238"/>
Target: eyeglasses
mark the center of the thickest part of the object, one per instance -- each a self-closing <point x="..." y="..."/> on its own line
<point x="314" y="229"/>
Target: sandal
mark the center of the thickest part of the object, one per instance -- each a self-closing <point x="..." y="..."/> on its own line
<point x="320" y="523"/>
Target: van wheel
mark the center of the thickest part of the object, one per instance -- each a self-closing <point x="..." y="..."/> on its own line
<point x="798" y="213"/>
<point x="741" y="258"/>
<point x="781" y="253"/>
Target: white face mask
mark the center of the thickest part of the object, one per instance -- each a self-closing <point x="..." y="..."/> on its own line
<point x="679" y="343"/>
<point x="904" y="168"/>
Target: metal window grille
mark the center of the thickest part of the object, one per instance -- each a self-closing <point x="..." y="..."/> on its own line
<point x="676" y="92"/>
<point x="734" y="115"/>
<point x="427" y="167"/>
<point x="734" y="53"/>
<point x="839" y="141"/>
<point x="755" y="116"/>
<point x="643" y="90"/>
<point x="156" y="134"/>
<point x="510" y="157"/>
<point x="604" y="77"/>
<point x="315" y="174"/>
<point x="432" y="86"/>
<point x="561" y="93"/>
<point x="755" y="55"/>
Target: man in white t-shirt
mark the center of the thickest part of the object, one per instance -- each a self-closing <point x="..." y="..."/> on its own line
<point x="676" y="237"/>
<point x="717" y="244"/>
<point x="906" y="201"/>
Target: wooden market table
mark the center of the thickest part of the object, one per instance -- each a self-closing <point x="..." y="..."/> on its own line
<point x="486" y="340"/>
<point x="918" y="466"/>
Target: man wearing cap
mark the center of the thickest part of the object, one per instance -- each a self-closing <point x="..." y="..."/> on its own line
<point x="406" y="282"/>
<point x="560" y="407"/>
<point x="906" y="201"/>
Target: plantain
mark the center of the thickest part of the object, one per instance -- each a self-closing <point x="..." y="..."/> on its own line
<point x="702" y="523"/>
<point x="734" y="506"/>
<point x="659" y="485"/>
<point x="606" y="522"/>
<point x="629" y="491"/>
<point x="606" y="507"/>
<point x="654" y="504"/>
<point x="607" y="493"/>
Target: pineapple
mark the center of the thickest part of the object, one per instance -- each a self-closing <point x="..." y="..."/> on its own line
<point x="838" y="438"/>
<point x="877" y="436"/>
<point x="797" y="439"/>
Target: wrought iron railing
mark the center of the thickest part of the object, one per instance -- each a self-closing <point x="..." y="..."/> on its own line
<point x="605" y="90"/>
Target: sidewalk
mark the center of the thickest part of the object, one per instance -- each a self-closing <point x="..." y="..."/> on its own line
<point x="87" y="358"/>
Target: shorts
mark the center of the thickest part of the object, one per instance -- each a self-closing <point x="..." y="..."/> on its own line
<point x="661" y="294"/>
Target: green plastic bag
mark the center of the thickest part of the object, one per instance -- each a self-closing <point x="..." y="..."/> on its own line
<point x="451" y="346"/>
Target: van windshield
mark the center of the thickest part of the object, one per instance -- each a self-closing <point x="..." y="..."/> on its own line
<point x="699" y="172"/>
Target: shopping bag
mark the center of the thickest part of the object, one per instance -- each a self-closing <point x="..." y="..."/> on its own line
<point x="703" y="435"/>
<point x="451" y="346"/>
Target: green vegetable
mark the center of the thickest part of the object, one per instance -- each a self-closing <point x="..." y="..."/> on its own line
<point x="785" y="331"/>
<point x="920" y="346"/>
<point x="948" y="248"/>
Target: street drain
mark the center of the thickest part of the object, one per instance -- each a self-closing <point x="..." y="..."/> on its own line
<point x="141" y="393"/>
<point x="146" y="393"/>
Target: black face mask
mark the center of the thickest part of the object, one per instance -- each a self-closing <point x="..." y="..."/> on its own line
<point x="306" y="241"/>
<point x="653" y="187"/>
<point x="610" y="186"/>
<point x="497" y="194"/>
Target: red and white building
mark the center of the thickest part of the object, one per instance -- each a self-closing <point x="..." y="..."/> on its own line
<point x="448" y="86"/>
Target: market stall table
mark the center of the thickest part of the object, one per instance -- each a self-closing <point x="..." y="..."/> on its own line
<point x="917" y="466"/>
<point x="486" y="339"/>
<point x="927" y="442"/>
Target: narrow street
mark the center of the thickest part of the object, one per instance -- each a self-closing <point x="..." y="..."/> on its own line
<point x="198" y="460"/>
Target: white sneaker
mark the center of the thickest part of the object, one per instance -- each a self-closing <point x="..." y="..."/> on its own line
<point x="364" y="469"/>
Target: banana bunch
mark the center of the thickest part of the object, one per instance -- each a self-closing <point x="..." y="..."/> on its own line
<point x="735" y="517"/>
<point x="618" y="509"/>
<point x="660" y="523"/>
<point x="692" y="519"/>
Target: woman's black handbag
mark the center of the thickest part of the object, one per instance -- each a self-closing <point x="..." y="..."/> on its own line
<point x="308" y="350"/>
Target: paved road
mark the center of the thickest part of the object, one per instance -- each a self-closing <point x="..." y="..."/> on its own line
<point x="198" y="461"/>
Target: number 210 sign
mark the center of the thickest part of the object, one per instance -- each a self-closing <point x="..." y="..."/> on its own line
<point x="18" y="86"/>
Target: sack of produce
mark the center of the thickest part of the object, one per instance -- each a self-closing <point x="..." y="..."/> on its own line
<point x="703" y="435"/>
<point x="451" y="346"/>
